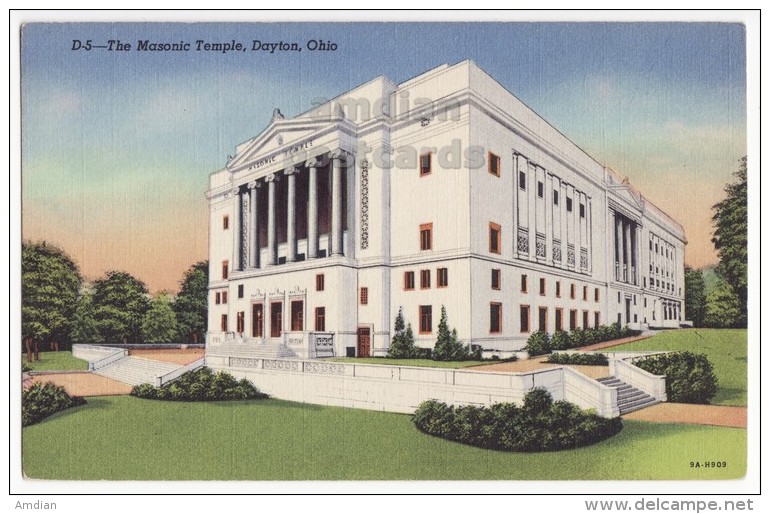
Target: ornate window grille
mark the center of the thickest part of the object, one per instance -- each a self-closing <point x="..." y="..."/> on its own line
<point x="540" y="246"/>
<point x="583" y="258"/>
<point x="556" y="251"/>
<point x="364" y="204"/>
<point x="522" y="241"/>
<point x="571" y="255"/>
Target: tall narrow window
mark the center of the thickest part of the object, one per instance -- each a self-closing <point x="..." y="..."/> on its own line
<point x="426" y="319"/>
<point x="224" y="296"/>
<point x="240" y="290"/>
<point x="542" y="319"/>
<point x="496" y="279"/>
<point x="569" y="204"/>
<point x="225" y="222"/>
<point x="585" y="293"/>
<point x="319" y="282"/>
<point x="223" y="325"/>
<point x="297" y="316"/>
<point x="364" y="296"/>
<point x="217" y="298"/>
<point x="542" y="287"/>
<point x="572" y="319"/>
<point x="596" y="294"/>
<point x="540" y="189"/>
<point x="556" y="198"/>
<point x="582" y="210"/>
<point x="596" y="319"/>
<point x="408" y="280"/>
<point x="522" y="181"/>
<point x="426" y="236"/>
<point x="495" y="318"/>
<point x="424" y="164"/>
<point x="494" y="238"/>
<point x="524" y="318"/>
<point x="240" y="319"/>
<point x="442" y="277"/>
<point x="558" y="289"/>
<point x="558" y="320"/>
<point x="276" y="319"/>
<point x="225" y="269"/>
<point x="572" y="291"/>
<point x="424" y="279"/>
<point x="493" y="164"/>
<point x="257" y="320"/>
<point x="320" y="319"/>
<point x="523" y="283"/>
<point x="585" y="320"/>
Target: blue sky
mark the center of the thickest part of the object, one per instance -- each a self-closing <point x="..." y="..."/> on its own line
<point x="117" y="146"/>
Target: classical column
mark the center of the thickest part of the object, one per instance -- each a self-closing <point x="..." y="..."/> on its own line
<point x="291" y="210"/>
<point x="236" y="263"/>
<point x="634" y="259"/>
<point x="618" y="247"/>
<point x="254" y="232"/>
<point x="548" y="229"/>
<point x="244" y="260"/>
<point x="336" y="246"/>
<point x="312" y="209"/>
<point x="564" y="235"/>
<point x="532" y="209"/>
<point x="627" y="248"/>
<point x="272" y="247"/>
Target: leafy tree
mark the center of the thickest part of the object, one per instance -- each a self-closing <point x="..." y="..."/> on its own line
<point x="722" y="307"/>
<point x="694" y="296"/>
<point x="85" y="329"/>
<point x="191" y="305"/>
<point x="159" y="322"/>
<point x="50" y="281"/>
<point x="730" y="238"/>
<point x="402" y="343"/>
<point x="120" y="301"/>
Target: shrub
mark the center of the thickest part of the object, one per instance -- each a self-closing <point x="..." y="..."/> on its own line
<point x="539" y="425"/>
<point x="402" y="344"/>
<point x="690" y="377"/>
<point x="539" y="343"/>
<point x="561" y="340"/>
<point x="579" y="359"/>
<point x="201" y="384"/>
<point x="41" y="400"/>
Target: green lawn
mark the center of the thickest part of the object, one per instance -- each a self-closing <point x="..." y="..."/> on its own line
<point x="126" y="438"/>
<point x="55" y="361"/>
<point x="425" y="363"/>
<point x="725" y="348"/>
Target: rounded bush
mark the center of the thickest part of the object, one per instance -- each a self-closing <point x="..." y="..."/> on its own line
<point x="690" y="377"/>
<point x="561" y="340"/>
<point x="579" y="359"/>
<point x="201" y="384"/>
<point x="539" y="343"/>
<point x="41" y="400"/>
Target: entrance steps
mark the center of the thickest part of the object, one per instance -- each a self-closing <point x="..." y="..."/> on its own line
<point x="136" y="370"/>
<point x="629" y="398"/>
<point x="252" y="350"/>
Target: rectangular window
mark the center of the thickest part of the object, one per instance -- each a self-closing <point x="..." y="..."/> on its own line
<point x="319" y="282"/>
<point x="240" y="321"/>
<point x="495" y="318"/>
<point x="559" y="323"/>
<point x="645" y="302"/>
<point x="494" y="238"/>
<point x="224" y="296"/>
<point x="320" y="319"/>
<point x="556" y="198"/>
<point x="276" y="319"/>
<point x="225" y="269"/>
<point x="257" y="320"/>
<point x="522" y="181"/>
<point x="572" y="319"/>
<point x="618" y="296"/>
<point x="582" y="211"/>
<point x="223" y="325"/>
<point x="493" y="164"/>
<point x="585" y="320"/>
<point x="426" y="319"/>
<point x="596" y="294"/>
<point x="585" y="293"/>
<point x="297" y="316"/>
<point x="540" y="189"/>
<point x="442" y="277"/>
<point x="424" y="164"/>
<point x="523" y="283"/>
<point x="524" y="319"/>
<point x="240" y="290"/>
<point x="426" y="236"/>
<point x="496" y="279"/>
<point x="408" y="280"/>
<point x="217" y="298"/>
<point x="542" y="319"/>
<point x="596" y="319"/>
<point x="572" y="291"/>
<point x="424" y="279"/>
<point x="225" y="222"/>
<point x="558" y="289"/>
<point x="364" y="296"/>
<point x="542" y="287"/>
<point x="569" y="204"/>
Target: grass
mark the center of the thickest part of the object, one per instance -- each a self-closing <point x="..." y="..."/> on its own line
<point x="423" y="363"/>
<point x="726" y="349"/>
<point x="55" y="361"/>
<point x="126" y="438"/>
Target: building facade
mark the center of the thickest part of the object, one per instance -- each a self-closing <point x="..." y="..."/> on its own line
<point x="444" y="190"/>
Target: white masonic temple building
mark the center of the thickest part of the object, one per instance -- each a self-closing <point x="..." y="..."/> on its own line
<point x="445" y="190"/>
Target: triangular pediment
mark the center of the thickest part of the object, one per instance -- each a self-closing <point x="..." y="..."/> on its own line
<point x="626" y="194"/>
<point x="279" y="134"/>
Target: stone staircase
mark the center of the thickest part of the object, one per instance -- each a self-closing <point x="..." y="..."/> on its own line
<point x="253" y="351"/>
<point x="629" y="398"/>
<point x="136" y="370"/>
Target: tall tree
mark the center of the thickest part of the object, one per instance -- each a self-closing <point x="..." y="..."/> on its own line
<point x="120" y="301"/>
<point x="159" y="322"/>
<point x="722" y="307"/>
<point x="731" y="235"/>
<point x="402" y="343"/>
<point x="694" y="296"/>
<point x="50" y="281"/>
<point x="191" y="305"/>
<point x="85" y="329"/>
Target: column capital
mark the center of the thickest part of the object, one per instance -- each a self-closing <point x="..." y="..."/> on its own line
<point x="273" y="177"/>
<point x="341" y="155"/>
<point x="253" y="184"/>
<point x="294" y="170"/>
<point x="234" y="191"/>
<point x="315" y="162"/>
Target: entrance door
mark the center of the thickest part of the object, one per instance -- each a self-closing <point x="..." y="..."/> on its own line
<point x="628" y="311"/>
<point x="364" y="342"/>
<point x="257" y="320"/>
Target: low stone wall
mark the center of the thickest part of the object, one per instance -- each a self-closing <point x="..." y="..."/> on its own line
<point x="397" y="388"/>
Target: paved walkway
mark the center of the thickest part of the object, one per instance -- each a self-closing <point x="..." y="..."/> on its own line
<point x="715" y="415"/>
<point x="84" y="383"/>
<point x="536" y="363"/>
<point x="182" y="357"/>
<point x="610" y="344"/>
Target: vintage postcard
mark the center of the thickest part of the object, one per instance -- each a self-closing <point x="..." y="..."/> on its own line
<point x="483" y="255"/>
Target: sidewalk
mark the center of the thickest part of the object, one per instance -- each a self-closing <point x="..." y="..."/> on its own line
<point x="610" y="344"/>
<point x="714" y="415"/>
